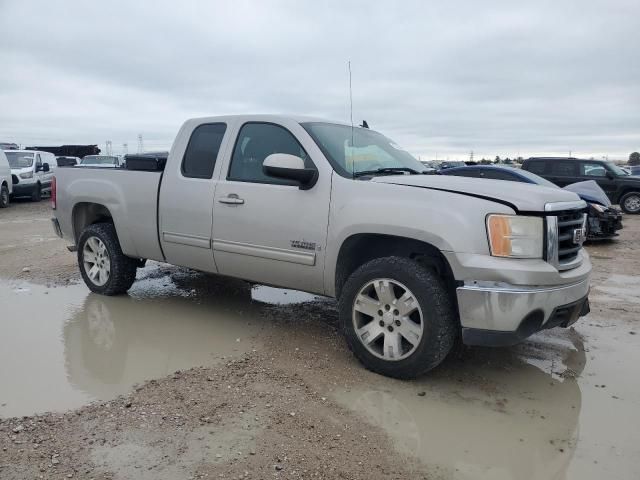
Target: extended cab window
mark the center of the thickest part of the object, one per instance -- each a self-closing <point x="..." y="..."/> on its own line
<point x="202" y="151"/>
<point x="256" y="141"/>
<point x="560" y="168"/>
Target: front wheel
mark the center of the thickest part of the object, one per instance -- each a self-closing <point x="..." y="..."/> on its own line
<point x="4" y="196"/>
<point x="397" y="317"/>
<point x="104" y="268"/>
<point x="36" y="195"/>
<point x="630" y="202"/>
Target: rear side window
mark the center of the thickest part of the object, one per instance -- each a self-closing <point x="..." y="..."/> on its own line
<point x="466" y="172"/>
<point x="562" y="168"/>
<point x="592" y="170"/>
<point x="256" y="141"/>
<point x="202" y="150"/>
<point x="498" y="175"/>
<point x="536" y="166"/>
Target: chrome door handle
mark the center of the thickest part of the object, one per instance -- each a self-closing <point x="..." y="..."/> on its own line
<point x="232" y="199"/>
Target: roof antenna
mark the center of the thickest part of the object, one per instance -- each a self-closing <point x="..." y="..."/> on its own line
<point x="364" y="124"/>
<point x="353" y="167"/>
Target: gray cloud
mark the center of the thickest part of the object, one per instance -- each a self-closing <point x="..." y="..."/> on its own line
<point x="495" y="77"/>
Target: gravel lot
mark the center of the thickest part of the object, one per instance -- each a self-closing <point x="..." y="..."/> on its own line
<point x="265" y="387"/>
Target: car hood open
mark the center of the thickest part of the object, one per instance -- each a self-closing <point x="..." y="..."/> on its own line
<point x="520" y="196"/>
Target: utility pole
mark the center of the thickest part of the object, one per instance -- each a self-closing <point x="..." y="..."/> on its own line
<point x="108" y="144"/>
<point x="140" y="144"/>
<point x="125" y="148"/>
<point x="471" y="156"/>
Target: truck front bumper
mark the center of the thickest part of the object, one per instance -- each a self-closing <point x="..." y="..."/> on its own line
<point x="500" y="314"/>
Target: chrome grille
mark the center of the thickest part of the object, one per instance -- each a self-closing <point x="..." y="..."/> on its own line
<point x="562" y="249"/>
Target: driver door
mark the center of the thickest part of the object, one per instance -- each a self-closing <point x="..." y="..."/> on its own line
<point x="267" y="229"/>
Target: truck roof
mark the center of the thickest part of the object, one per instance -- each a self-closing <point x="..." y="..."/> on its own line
<point x="266" y="118"/>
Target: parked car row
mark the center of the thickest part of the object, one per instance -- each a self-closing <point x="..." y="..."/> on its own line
<point x="620" y="188"/>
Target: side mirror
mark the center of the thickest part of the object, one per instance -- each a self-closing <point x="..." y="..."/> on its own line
<point x="45" y="167"/>
<point x="609" y="175"/>
<point x="290" y="167"/>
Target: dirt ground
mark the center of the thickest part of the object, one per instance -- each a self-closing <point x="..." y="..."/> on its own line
<point x="289" y="401"/>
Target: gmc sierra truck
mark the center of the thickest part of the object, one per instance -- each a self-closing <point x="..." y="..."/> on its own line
<point x="416" y="261"/>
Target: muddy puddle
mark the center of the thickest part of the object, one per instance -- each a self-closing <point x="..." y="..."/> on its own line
<point x="556" y="407"/>
<point x="62" y="347"/>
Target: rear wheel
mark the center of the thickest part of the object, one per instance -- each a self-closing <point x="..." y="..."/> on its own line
<point x="397" y="317"/>
<point x="630" y="202"/>
<point x="36" y="195"/>
<point x="4" y="196"/>
<point x="104" y="268"/>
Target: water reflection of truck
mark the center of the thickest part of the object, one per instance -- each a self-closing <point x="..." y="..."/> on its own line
<point x="111" y="343"/>
<point x="507" y="420"/>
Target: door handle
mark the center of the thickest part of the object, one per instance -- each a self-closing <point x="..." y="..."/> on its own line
<point x="231" y="199"/>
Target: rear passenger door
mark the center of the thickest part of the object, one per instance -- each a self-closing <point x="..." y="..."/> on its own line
<point x="186" y="199"/>
<point x="562" y="172"/>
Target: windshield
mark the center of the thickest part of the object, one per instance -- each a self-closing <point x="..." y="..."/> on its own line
<point x="19" y="159"/>
<point x="99" y="160"/>
<point x="352" y="150"/>
<point x="536" y="178"/>
<point x="616" y="169"/>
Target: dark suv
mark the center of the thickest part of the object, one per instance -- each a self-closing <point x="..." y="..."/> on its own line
<point x="620" y="187"/>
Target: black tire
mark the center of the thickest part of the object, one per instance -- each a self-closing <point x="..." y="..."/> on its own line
<point x="123" y="269"/>
<point x="627" y="199"/>
<point x="440" y="327"/>
<point x="36" y="195"/>
<point x="4" y="196"/>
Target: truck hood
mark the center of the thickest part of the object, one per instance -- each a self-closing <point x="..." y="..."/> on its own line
<point x="519" y="196"/>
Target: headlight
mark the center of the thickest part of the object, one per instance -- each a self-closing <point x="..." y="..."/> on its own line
<point x="26" y="175"/>
<point x="515" y="236"/>
<point x="598" y="207"/>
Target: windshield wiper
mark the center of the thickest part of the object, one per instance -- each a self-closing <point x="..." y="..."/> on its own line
<point x="386" y="171"/>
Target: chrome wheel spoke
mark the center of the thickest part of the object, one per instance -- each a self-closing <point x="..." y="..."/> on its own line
<point x="89" y="257"/>
<point x="370" y="332"/>
<point x="384" y="291"/>
<point x="94" y="273"/>
<point x="411" y="331"/>
<point x="367" y="305"/>
<point x="407" y="304"/>
<point x="392" y="345"/>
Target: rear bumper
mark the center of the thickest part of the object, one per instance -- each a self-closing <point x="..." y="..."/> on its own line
<point x="496" y="314"/>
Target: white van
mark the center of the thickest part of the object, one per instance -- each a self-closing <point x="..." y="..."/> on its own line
<point x="33" y="171"/>
<point x="6" y="185"/>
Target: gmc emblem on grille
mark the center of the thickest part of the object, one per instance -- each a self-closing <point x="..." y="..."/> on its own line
<point x="579" y="236"/>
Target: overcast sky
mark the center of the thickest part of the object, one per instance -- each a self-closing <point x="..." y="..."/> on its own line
<point x="441" y="78"/>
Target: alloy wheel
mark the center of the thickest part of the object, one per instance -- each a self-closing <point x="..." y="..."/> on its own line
<point x="387" y="319"/>
<point x="95" y="259"/>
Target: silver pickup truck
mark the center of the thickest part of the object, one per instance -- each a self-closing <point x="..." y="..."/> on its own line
<point x="415" y="260"/>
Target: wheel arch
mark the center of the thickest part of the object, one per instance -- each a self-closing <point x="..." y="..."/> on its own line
<point x="360" y="248"/>
<point x="88" y="213"/>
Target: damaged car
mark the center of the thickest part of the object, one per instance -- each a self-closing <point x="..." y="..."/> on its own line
<point x="603" y="220"/>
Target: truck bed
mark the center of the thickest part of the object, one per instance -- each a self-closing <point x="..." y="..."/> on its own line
<point x="130" y="196"/>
